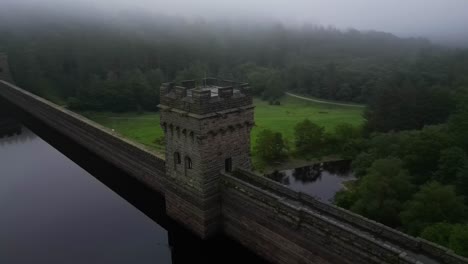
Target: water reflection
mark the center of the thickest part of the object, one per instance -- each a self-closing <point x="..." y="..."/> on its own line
<point x="321" y="180"/>
<point x="308" y="173"/>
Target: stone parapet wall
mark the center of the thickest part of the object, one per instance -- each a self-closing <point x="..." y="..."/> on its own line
<point x="299" y="234"/>
<point x="246" y="179"/>
<point x="133" y="158"/>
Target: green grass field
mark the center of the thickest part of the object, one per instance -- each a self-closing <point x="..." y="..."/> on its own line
<point x="284" y="117"/>
<point x="144" y="128"/>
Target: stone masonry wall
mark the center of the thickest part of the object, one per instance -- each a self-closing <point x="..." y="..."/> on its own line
<point x="313" y="231"/>
<point x="208" y="140"/>
<point x="214" y="138"/>
<point x="418" y="245"/>
<point x="133" y="158"/>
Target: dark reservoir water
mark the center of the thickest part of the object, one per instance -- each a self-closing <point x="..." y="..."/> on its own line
<point x="53" y="210"/>
<point x="321" y="180"/>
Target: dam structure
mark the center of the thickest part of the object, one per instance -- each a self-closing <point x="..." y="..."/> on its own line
<point x="208" y="186"/>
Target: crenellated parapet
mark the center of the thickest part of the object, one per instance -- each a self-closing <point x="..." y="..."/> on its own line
<point x="205" y="96"/>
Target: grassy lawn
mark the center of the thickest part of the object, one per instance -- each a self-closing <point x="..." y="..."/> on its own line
<point x="284" y="117"/>
<point x="144" y="128"/>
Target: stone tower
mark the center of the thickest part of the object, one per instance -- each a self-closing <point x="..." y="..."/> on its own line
<point x="207" y="130"/>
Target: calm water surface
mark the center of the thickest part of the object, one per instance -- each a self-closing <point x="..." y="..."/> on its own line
<point x="322" y="180"/>
<point x="54" y="211"/>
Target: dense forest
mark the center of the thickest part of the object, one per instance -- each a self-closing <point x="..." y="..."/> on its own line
<point x="411" y="156"/>
<point x="415" y="180"/>
<point x="118" y="64"/>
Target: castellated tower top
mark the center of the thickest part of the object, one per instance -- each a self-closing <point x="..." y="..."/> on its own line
<point x="210" y="96"/>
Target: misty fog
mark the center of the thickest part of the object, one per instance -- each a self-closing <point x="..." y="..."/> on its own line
<point x="442" y="21"/>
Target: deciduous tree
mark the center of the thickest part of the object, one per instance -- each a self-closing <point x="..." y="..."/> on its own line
<point x="308" y="137"/>
<point x="382" y="191"/>
<point x="270" y="146"/>
<point x="433" y="203"/>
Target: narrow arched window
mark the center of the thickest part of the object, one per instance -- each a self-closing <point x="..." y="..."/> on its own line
<point x="176" y="159"/>
<point x="188" y="164"/>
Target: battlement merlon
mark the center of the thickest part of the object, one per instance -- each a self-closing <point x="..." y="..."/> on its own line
<point x="207" y="96"/>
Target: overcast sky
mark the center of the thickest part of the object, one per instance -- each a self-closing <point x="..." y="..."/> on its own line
<point x="435" y="19"/>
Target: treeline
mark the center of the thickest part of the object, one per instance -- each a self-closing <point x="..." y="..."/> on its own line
<point x="129" y="91"/>
<point x="84" y="62"/>
<point x="425" y="95"/>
